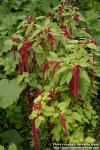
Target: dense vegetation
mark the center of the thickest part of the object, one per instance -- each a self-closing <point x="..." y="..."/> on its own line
<point x="49" y="54"/>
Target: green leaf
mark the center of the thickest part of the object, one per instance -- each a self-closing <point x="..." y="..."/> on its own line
<point x="7" y="45"/>
<point x="9" y="92"/>
<point x="69" y="76"/>
<point x="83" y="87"/>
<point x="61" y="69"/>
<point x="88" y="114"/>
<point x="47" y="113"/>
<point x="38" y="122"/>
<point x="29" y="29"/>
<point x="41" y="118"/>
<point x="56" y="132"/>
<point x="11" y="136"/>
<point x="76" y="116"/>
<point x="37" y="48"/>
<point x="1" y="147"/>
<point x="40" y="59"/>
<point x="12" y="147"/>
<point x="66" y="77"/>
<point x="34" y="114"/>
<point x="35" y="33"/>
<point x="37" y="99"/>
<point x="89" y="140"/>
<point x="92" y="46"/>
<point x="63" y="79"/>
<point x="62" y="105"/>
<point x="84" y="75"/>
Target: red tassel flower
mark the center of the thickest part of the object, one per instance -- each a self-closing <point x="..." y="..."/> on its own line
<point x="45" y="68"/>
<point x="60" y="10"/>
<point x="76" y="19"/>
<point x="74" y="83"/>
<point x="35" y="135"/>
<point x="63" y="123"/>
<point x="66" y="32"/>
<point x="30" y="20"/>
<point x="50" y="37"/>
<point x="56" y="64"/>
<point x="51" y="96"/>
<point x="24" y="54"/>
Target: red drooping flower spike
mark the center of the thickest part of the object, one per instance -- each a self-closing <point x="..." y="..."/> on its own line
<point x="51" y="40"/>
<point x="24" y="54"/>
<point x="30" y="20"/>
<point x="45" y="68"/>
<point x="26" y="49"/>
<point x="74" y="83"/>
<point x="42" y="43"/>
<point x="34" y="130"/>
<point x="51" y="96"/>
<point x="51" y="125"/>
<point x="38" y="92"/>
<point x="76" y="19"/>
<point x="66" y="32"/>
<point x="56" y="64"/>
<point x="37" y="106"/>
<point x="76" y="71"/>
<point x="59" y="94"/>
<point x="70" y="30"/>
<point x="60" y="10"/>
<point x="71" y="87"/>
<point x="63" y="123"/>
<point x="35" y="135"/>
<point x="48" y="14"/>
<point x="50" y="37"/>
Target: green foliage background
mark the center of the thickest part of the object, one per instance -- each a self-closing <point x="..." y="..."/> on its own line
<point x="14" y="124"/>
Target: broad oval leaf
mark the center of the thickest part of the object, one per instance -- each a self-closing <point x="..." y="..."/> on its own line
<point x="12" y="147"/>
<point x="1" y="147"/>
<point x="9" y="92"/>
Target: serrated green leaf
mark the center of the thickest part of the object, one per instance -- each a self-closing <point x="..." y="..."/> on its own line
<point x="88" y="114"/>
<point x="62" y="105"/>
<point x="76" y="116"/>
